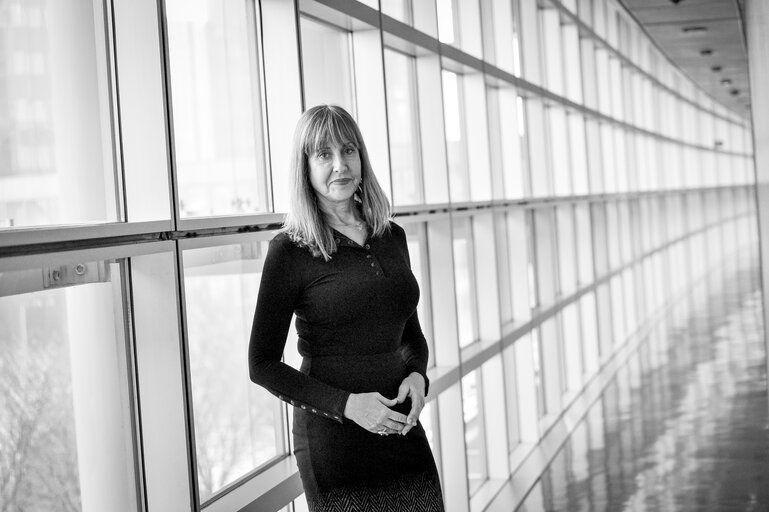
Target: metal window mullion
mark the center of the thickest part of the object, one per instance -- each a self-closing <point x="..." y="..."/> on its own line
<point x="186" y="378"/>
<point x="133" y="376"/>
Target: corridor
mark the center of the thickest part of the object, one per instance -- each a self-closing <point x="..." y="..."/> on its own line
<point x="683" y="424"/>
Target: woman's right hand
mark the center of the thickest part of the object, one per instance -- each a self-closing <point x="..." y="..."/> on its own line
<point x="372" y="412"/>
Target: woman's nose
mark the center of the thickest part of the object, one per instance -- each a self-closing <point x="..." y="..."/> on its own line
<point x="339" y="164"/>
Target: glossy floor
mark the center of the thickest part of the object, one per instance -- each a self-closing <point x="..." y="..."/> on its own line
<point x="684" y="426"/>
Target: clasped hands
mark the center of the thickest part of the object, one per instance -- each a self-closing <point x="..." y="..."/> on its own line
<point x="372" y="410"/>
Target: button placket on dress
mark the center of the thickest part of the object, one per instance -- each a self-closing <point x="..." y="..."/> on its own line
<point x="370" y="257"/>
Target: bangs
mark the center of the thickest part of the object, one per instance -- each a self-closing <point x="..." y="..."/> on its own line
<point x="329" y="127"/>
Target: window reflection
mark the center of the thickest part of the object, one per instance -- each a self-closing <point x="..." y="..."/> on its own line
<point x="217" y="113"/>
<point x="238" y="426"/>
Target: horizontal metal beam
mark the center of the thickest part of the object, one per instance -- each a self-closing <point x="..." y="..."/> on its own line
<point x="21" y="242"/>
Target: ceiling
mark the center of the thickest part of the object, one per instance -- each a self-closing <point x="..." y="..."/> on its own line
<point x="705" y="39"/>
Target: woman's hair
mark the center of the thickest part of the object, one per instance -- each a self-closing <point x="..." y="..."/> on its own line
<point x="305" y="224"/>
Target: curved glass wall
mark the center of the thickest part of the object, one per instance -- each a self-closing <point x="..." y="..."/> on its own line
<point x="560" y="182"/>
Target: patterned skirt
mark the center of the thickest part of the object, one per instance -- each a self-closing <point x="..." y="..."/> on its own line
<point x="347" y="468"/>
<point x="414" y="493"/>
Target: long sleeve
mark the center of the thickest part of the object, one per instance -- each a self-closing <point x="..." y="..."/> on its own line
<point x="414" y="349"/>
<point x="279" y="291"/>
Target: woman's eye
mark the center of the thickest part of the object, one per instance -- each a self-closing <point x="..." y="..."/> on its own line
<point x="350" y="150"/>
<point x="323" y="155"/>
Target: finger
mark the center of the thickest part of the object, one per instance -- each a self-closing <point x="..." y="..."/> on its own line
<point x="396" y="416"/>
<point x="387" y="401"/>
<point x="384" y="430"/>
<point x="394" y="426"/>
<point x="403" y="392"/>
<point x="416" y="410"/>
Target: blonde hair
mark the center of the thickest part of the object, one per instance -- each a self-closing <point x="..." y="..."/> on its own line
<point x="305" y="224"/>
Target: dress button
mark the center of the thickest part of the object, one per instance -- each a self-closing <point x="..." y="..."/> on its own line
<point x="378" y="273"/>
<point x="368" y="256"/>
<point x="368" y="246"/>
<point x="336" y="240"/>
<point x="373" y="264"/>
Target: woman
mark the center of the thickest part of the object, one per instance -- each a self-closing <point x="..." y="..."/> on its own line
<point x="342" y="267"/>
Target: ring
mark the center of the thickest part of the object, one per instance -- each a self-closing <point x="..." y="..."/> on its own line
<point x="382" y="432"/>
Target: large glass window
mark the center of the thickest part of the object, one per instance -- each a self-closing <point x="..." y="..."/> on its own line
<point x="326" y="65"/>
<point x="57" y="160"/>
<point x="464" y="281"/>
<point x="419" y="256"/>
<point x="453" y="111"/>
<point x="238" y="426"/>
<point x="475" y="439"/>
<point x="403" y="122"/>
<point x="217" y="113"/>
<point x="66" y="412"/>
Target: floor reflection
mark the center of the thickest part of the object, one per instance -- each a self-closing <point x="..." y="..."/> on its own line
<point x="684" y="425"/>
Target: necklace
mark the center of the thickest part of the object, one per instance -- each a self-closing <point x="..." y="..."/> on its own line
<point x="358" y="225"/>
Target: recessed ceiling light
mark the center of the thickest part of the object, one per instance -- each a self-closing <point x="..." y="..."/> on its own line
<point x="726" y="82"/>
<point x="694" y="29"/>
<point x="716" y="69"/>
<point x="706" y="51"/>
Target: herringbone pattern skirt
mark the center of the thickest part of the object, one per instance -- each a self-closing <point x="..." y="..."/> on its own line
<point x="417" y="493"/>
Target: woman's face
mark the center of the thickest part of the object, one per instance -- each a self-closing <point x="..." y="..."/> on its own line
<point x="335" y="172"/>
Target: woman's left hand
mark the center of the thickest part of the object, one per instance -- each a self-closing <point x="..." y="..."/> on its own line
<point x="412" y="386"/>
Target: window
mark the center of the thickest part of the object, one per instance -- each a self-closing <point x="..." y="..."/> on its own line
<point x="419" y="255"/>
<point x="326" y="65"/>
<point x="519" y="261"/>
<point x="217" y="113"/>
<point x="67" y="413"/>
<point x="453" y="111"/>
<point x="464" y="280"/>
<point x="57" y="158"/>
<point x="402" y="112"/>
<point x="475" y="439"/>
<point x="238" y="426"/>
<point x="459" y="24"/>
<point x="466" y="125"/>
<point x="401" y="10"/>
<point x="501" y="21"/>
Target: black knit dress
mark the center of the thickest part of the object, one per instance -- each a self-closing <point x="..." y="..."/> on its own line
<point x="358" y="332"/>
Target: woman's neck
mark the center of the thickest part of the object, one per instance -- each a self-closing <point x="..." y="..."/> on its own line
<point x="345" y="214"/>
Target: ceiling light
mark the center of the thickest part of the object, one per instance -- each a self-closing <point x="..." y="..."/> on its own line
<point x="716" y="69"/>
<point x="706" y="51"/>
<point x="694" y="29"/>
<point x="726" y="82"/>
